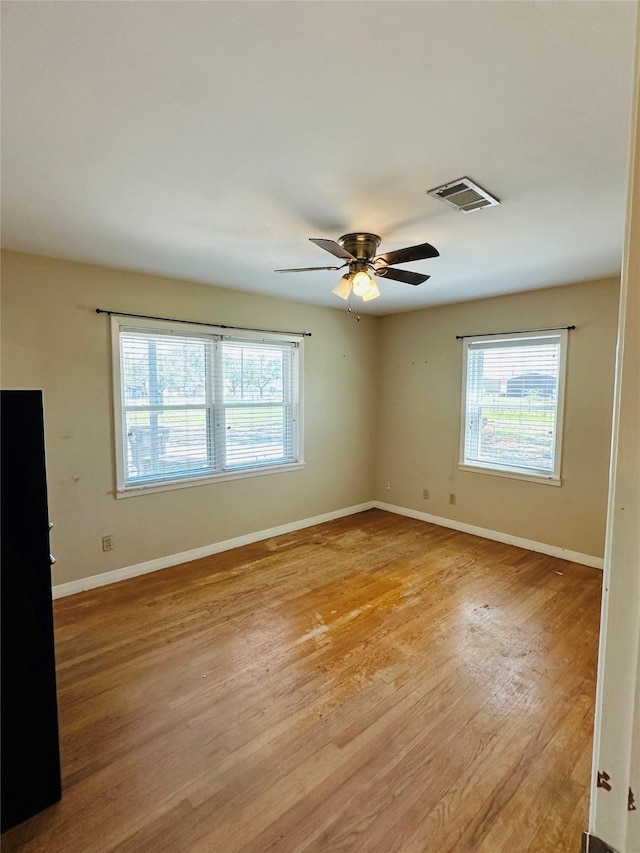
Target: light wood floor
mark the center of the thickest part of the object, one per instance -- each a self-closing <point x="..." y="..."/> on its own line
<point x="371" y="684"/>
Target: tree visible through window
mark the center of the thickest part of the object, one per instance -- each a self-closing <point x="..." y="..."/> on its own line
<point x="512" y="403"/>
<point x="194" y="405"/>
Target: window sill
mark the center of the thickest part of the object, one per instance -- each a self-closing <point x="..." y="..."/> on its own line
<point x="134" y="491"/>
<point x="542" y="479"/>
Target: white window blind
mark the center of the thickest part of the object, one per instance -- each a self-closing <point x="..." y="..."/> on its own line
<point x="198" y="405"/>
<point x="258" y="409"/>
<point x="512" y="403"/>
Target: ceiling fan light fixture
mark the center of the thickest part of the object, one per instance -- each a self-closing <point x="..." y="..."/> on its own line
<point x="343" y="287"/>
<point x="362" y="283"/>
<point x="372" y="293"/>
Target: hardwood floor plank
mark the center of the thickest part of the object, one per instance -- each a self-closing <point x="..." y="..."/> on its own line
<point x="370" y="684"/>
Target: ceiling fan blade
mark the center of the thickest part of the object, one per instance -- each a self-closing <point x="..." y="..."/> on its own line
<point x="411" y="253"/>
<point x="310" y="269"/>
<point x="402" y="275"/>
<point x="333" y="247"/>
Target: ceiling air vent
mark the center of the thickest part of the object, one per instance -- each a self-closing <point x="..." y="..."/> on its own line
<point x="464" y="195"/>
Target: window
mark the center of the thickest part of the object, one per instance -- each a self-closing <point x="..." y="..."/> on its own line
<point x="191" y="406"/>
<point x="512" y="401"/>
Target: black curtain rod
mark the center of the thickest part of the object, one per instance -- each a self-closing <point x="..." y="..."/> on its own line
<point x="199" y="323"/>
<point x="519" y="332"/>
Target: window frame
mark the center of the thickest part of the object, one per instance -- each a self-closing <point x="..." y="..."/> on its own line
<point x="513" y="472"/>
<point x="216" y="336"/>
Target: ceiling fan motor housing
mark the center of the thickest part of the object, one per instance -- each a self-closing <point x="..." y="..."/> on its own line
<point x="361" y="245"/>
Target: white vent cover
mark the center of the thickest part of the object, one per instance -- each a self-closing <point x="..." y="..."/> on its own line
<point x="464" y="195"/>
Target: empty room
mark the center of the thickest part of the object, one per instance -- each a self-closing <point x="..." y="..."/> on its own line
<point x="320" y="464"/>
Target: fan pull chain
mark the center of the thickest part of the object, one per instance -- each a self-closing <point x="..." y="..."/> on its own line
<point x="350" y="309"/>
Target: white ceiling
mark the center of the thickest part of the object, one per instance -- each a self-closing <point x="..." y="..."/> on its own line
<point x="209" y="140"/>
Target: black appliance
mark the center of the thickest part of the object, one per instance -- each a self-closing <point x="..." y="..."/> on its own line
<point x="30" y="749"/>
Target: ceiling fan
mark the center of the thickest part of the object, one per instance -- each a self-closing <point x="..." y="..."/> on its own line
<point x="358" y="251"/>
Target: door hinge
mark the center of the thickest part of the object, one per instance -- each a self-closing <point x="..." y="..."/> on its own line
<point x="603" y="780"/>
<point x="631" y="803"/>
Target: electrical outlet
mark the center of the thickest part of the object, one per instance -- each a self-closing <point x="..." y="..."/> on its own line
<point x="387" y="485"/>
<point x="425" y="494"/>
<point x="452" y="499"/>
<point x="107" y="543"/>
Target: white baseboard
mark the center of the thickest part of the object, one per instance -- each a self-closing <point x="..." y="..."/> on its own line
<point x="496" y="536"/>
<point x="94" y="581"/>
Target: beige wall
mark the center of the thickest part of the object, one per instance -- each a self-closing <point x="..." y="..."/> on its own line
<point x="52" y="339"/>
<point x="419" y="416"/>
